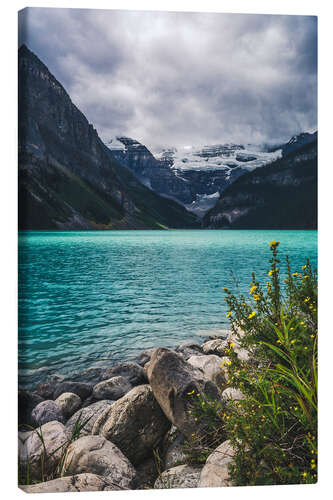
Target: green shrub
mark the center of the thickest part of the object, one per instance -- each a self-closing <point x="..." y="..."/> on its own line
<point x="274" y="428"/>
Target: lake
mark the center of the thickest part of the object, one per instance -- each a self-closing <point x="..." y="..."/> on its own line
<point x="88" y="298"/>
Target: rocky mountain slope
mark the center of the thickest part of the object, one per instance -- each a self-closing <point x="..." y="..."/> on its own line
<point x="68" y="178"/>
<point x="194" y="176"/>
<point x="280" y="195"/>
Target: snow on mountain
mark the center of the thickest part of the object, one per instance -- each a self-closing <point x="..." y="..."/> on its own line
<point x="217" y="157"/>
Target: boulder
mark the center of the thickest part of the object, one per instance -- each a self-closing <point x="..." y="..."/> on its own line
<point x="174" y="454"/>
<point x="215" y="471"/>
<point x="97" y="455"/>
<point x="146" y="474"/>
<point x="217" y="346"/>
<point x="135" y="423"/>
<point x="232" y="393"/>
<point x="145" y="356"/>
<point x="174" y="382"/>
<point x="189" y="348"/>
<point x="68" y="403"/>
<point x="211" y="366"/>
<point x="113" y="388"/>
<point x="47" y="411"/>
<point x="130" y="370"/>
<point x="241" y="353"/>
<point x="32" y="452"/>
<point x="82" y="389"/>
<point x="79" y="482"/>
<point x="87" y="415"/>
<point x="182" y="476"/>
<point x="26" y="403"/>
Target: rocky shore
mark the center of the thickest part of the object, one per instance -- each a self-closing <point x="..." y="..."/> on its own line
<point x="105" y="430"/>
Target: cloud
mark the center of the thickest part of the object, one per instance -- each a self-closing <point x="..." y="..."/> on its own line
<point x="171" y="79"/>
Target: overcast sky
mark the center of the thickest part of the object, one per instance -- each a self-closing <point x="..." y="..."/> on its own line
<point x="179" y="79"/>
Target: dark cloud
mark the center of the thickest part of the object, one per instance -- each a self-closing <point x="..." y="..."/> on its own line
<point x="182" y="78"/>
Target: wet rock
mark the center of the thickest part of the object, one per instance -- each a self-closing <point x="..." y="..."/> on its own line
<point x="97" y="455"/>
<point x="68" y="403"/>
<point x="76" y="483"/>
<point x="27" y="401"/>
<point x="47" y="411"/>
<point x="135" y="423"/>
<point x="145" y="356"/>
<point x="82" y="389"/>
<point x="189" y="348"/>
<point x="88" y="415"/>
<point x="182" y="476"/>
<point x="130" y="370"/>
<point x="113" y="388"/>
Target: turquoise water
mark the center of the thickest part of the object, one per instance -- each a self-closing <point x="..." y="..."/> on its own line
<point x="93" y="297"/>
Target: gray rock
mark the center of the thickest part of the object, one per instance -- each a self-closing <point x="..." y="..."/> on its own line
<point x="211" y="366"/>
<point x="232" y="393"/>
<point x="135" y="423"/>
<point x="26" y="403"/>
<point x="217" y="346"/>
<point x="173" y="380"/>
<point x="89" y="415"/>
<point x="215" y="472"/>
<point x="32" y="451"/>
<point x="130" y="370"/>
<point x="68" y="403"/>
<point x="189" y="348"/>
<point x="79" y="482"/>
<point x="80" y="388"/>
<point x="113" y="388"/>
<point x="97" y="455"/>
<point x="175" y="454"/>
<point x="145" y="356"/>
<point x="182" y="476"/>
<point x="146" y="474"/>
<point x="47" y="411"/>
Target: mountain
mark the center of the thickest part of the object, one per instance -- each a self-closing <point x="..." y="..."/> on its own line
<point x="194" y="176"/>
<point x="281" y="195"/>
<point x="297" y="142"/>
<point x="68" y="178"/>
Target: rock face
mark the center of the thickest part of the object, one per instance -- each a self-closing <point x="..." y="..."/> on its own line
<point x="88" y="415"/>
<point x="113" y="388"/>
<point x="135" y="423"/>
<point x="210" y="365"/>
<point x="32" y="452"/>
<point x="182" y="476"/>
<point x="289" y="183"/>
<point x="129" y="370"/>
<point x="47" y="411"/>
<point x="68" y="178"/>
<point x="172" y="380"/>
<point x="215" y="472"/>
<point x="81" y="389"/>
<point x="68" y="403"/>
<point x="26" y="403"/>
<point x="77" y="483"/>
<point x="97" y="455"/>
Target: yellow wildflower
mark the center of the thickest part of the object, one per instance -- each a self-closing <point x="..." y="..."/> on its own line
<point x="229" y="314"/>
<point x="251" y="315"/>
<point x="256" y="296"/>
<point x="253" y="289"/>
<point x="190" y="393"/>
<point x="306" y="299"/>
<point x="304" y="267"/>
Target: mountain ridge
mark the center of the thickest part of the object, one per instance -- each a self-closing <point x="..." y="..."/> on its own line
<point x="67" y="177"/>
